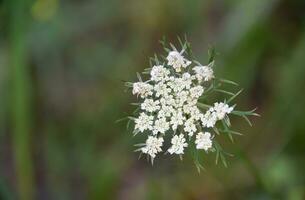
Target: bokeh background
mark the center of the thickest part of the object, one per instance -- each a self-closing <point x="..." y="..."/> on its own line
<point x="62" y="63"/>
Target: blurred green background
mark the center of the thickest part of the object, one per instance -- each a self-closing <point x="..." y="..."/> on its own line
<point x="62" y="63"/>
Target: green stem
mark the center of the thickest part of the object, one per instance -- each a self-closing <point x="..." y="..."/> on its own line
<point x="255" y="172"/>
<point x="20" y="103"/>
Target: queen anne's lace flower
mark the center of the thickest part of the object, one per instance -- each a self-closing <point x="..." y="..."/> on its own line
<point x="203" y="141"/>
<point x="178" y="144"/>
<point x="162" y="89"/>
<point x="167" y="100"/>
<point x="190" y="127"/>
<point x="186" y="80"/>
<point x="159" y="73"/>
<point x="170" y="99"/>
<point x="150" y="105"/>
<point x="203" y="73"/>
<point x="181" y="98"/>
<point x="209" y="119"/>
<point x="153" y="146"/>
<point x="166" y="111"/>
<point x="195" y="113"/>
<point x="170" y="105"/>
<point x="176" y="84"/>
<point x="176" y="60"/>
<point x="196" y="91"/>
<point x="177" y="119"/>
<point x="161" y="125"/>
<point x="144" y="122"/>
<point x="142" y="89"/>
<point x="221" y="109"/>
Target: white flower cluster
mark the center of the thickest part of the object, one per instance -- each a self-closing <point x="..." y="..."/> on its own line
<point x="153" y="146"/>
<point x="169" y="106"/>
<point x="203" y="141"/>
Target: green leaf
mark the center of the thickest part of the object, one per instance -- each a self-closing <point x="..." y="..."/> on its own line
<point x="131" y="118"/>
<point x="217" y="157"/>
<point x="139" y="144"/>
<point x="234" y="96"/>
<point x="202" y="105"/>
<point x="231" y="137"/>
<point x="136" y="110"/>
<point x="163" y="42"/>
<point x="128" y="84"/>
<point x="211" y="64"/>
<point x="199" y="166"/>
<point x="241" y="113"/>
<point x="122" y="119"/>
<point x="247" y="119"/>
<point x="128" y="124"/>
<point x="226" y="129"/>
<point x="188" y="45"/>
<point x="211" y="53"/>
<point x="232" y="132"/>
<point x="156" y="60"/>
<point x="220" y="153"/>
<point x="197" y="62"/>
<point x="183" y="45"/>
<point x="139" y="77"/>
<point x="223" y="160"/>
<point x="227" y="81"/>
<point x="223" y="91"/>
<point x="135" y="132"/>
<point x="173" y="47"/>
<point x="216" y="130"/>
<point x="227" y="121"/>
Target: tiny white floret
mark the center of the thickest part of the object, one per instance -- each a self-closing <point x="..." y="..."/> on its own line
<point x="144" y="122"/>
<point x="152" y="146"/>
<point x="142" y="89"/>
<point x="221" y="109"/>
<point x="203" y="73"/>
<point x="159" y="73"/>
<point x="203" y="141"/>
<point x="178" y="145"/>
<point x="177" y="61"/>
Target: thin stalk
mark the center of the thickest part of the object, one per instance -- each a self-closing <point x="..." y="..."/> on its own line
<point x="20" y="104"/>
<point x="255" y="172"/>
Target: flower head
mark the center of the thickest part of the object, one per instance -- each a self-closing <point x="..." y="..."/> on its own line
<point x="177" y="61"/>
<point x="190" y="127"/>
<point x="209" y="119"/>
<point x="150" y="105"/>
<point x="153" y="146"/>
<point x="178" y="144"/>
<point x="142" y="89"/>
<point x="161" y="126"/>
<point x="177" y="119"/>
<point x="159" y="73"/>
<point x="221" y="109"/>
<point x="203" y="141"/>
<point x="203" y="73"/>
<point x="170" y="104"/>
<point x="196" y="91"/>
<point x="144" y="122"/>
<point x="162" y="89"/>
